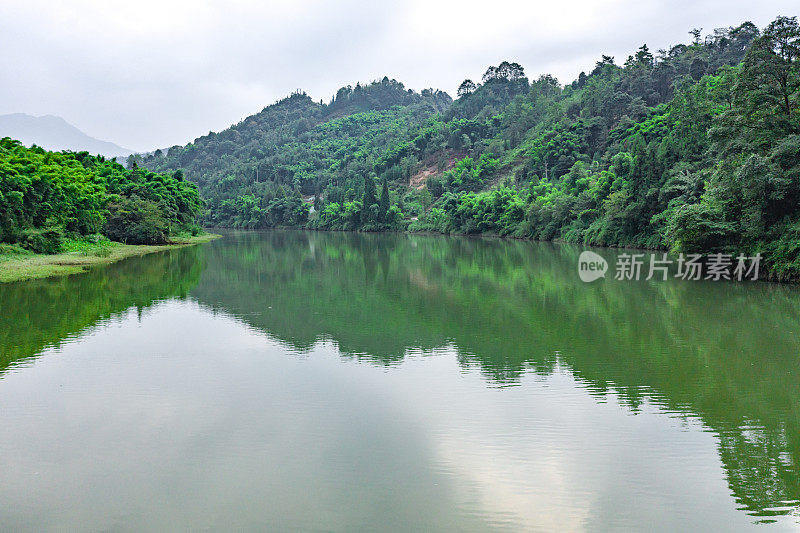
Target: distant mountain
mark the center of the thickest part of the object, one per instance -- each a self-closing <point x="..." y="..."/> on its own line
<point x="55" y="133"/>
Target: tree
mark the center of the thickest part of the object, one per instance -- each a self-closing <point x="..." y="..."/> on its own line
<point x="516" y="72"/>
<point x="784" y="34"/>
<point x="136" y="221"/>
<point x="467" y="87"/>
<point x="643" y="57"/>
<point x="384" y="203"/>
<point x="600" y="66"/>
<point x="370" y="199"/>
<point x="770" y="77"/>
<point x="697" y="68"/>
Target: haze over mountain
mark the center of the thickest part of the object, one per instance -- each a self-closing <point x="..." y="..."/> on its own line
<point x="55" y="133"/>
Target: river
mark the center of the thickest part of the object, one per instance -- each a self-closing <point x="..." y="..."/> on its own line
<point x="302" y="381"/>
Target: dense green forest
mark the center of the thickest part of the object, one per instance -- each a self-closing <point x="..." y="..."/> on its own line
<point x="46" y="197"/>
<point x="693" y="149"/>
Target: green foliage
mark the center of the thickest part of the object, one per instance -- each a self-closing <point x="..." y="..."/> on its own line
<point x="300" y="148"/>
<point x="136" y="221"/>
<point x="698" y="228"/>
<point x="42" y="240"/>
<point x="47" y="195"/>
<point x="384" y="204"/>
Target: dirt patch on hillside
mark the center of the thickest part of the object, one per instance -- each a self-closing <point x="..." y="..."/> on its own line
<point x="419" y="179"/>
<point x="431" y="168"/>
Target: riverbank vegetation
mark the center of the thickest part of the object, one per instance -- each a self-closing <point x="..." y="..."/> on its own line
<point x="49" y="200"/>
<point x="78" y="255"/>
<point x="63" y="212"/>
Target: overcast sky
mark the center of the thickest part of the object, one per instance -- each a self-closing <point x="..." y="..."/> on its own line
<point x="154" y="73"/>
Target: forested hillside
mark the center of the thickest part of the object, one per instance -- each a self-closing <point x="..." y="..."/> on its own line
<point x="46" y="197"/>
<point x="254" y="173"/>
<point x="694" y="149"/>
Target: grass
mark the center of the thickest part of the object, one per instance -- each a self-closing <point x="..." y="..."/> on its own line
<point x="18" y="264"/>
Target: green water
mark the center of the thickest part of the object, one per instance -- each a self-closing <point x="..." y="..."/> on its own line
<point x="292" y="381"/>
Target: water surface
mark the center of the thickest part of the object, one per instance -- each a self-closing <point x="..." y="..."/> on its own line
<point x="327" y="381"/>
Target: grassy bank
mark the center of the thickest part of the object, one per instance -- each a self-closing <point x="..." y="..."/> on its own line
<point x="18" y="264"/>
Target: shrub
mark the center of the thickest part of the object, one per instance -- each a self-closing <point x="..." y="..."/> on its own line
<point x="42" y="241"/>
<point x="699" y="228"/>
<point x="136" y="221"/>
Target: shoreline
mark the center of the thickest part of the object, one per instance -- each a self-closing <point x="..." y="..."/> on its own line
<point x="25" y="267"/>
